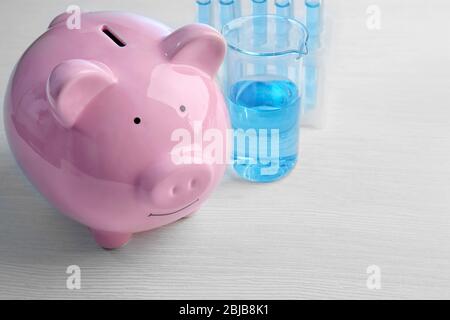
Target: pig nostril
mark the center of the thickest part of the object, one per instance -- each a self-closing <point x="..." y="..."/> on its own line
<point x="192" y="184"/>
<point x="175" y="191"/>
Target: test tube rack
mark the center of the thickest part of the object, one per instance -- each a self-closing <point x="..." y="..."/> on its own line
<point x="313" y="14"/>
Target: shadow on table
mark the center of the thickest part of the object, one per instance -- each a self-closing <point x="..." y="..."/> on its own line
<point x="33" y="232"/>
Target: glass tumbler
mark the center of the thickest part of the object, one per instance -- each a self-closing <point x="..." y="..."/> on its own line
<point x="262" y="83"/>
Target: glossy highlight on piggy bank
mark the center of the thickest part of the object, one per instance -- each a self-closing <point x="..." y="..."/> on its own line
<point x="90" y="112"/>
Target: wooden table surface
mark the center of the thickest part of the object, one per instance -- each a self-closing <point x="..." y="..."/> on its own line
<point x="371" y="189"/>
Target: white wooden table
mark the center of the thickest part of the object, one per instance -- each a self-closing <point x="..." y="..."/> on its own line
<point x="371" y="189"/>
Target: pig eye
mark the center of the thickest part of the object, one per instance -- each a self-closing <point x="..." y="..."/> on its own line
<point x="137" y="120"/>
<point x="183" y="109"/>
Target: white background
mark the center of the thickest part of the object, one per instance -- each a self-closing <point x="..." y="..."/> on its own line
<point x="372" y="188"/>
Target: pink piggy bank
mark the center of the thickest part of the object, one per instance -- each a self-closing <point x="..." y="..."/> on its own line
<point x="93" y="116"/>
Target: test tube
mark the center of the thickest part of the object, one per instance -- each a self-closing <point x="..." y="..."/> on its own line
<point x="259" y="8"/>
<point x="284" y="8"/>
<point x="227" y="12"/>
<point x="237" y="8"/>
<point x="204" y="8"/>
<point x="314" y="22"/>
<point x="314" y="25"/>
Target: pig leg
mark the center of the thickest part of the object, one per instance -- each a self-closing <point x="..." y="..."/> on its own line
<point x="111" y="240"/>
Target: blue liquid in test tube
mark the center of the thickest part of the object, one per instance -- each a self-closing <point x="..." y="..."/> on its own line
<point x="314" y="22"/>
<point x="260" y="29"/>
<point x="237" y="8"/>
<point x="227" y="11"/>
<point x="314" y="25"/>
<point x="259" y="7"/>
<point x="284" y="8"/>
<point x="204" y="11"/>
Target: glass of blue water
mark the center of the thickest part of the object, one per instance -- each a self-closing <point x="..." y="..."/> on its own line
<point x="262" y="82"/>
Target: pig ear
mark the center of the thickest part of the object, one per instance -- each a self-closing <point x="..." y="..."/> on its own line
<point x="73" y="84"/>
<point x="197" y="45"/>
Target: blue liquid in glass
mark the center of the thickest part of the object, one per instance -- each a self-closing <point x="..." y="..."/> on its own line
<point x="268" y="112"/>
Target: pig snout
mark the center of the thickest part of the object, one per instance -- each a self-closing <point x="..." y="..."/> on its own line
<point x="170" y="190"/>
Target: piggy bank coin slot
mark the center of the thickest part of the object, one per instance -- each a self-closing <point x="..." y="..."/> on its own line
<point x="113" y="37"/>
